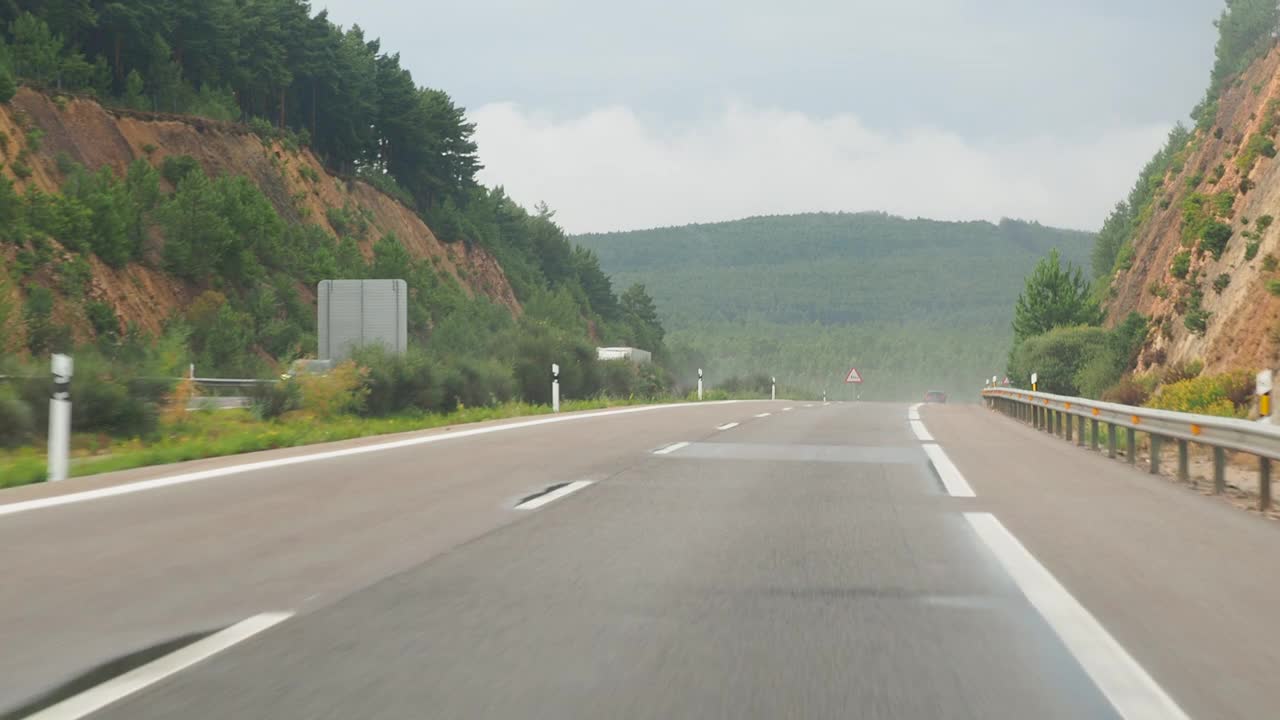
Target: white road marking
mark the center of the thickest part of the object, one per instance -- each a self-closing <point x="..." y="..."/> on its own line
<point x="808" y="406"/>
<point x="952" y="480"/>
<point x="913" y="412"/>
<point x="922" y="433"/>
<point x="556" y="494"/>
<point x="48" y="502"/>
<point x="788" y="409"/>
<point x="671" y="448"/>
<point x="727" y="426"/>
<point x="1132" y="692"/>
<point x="764" y="415"/>
<point x="98" y="697"/>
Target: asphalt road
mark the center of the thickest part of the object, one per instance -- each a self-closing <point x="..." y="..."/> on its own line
<point x="809" y="563"/>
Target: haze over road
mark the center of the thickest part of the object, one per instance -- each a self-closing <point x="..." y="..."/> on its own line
<point x="750" y="559"/>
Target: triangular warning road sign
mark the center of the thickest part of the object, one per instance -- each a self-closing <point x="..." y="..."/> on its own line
<point x="854" y="377"/>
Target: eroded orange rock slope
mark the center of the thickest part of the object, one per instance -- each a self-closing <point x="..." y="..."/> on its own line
<point x="95" y="136"/>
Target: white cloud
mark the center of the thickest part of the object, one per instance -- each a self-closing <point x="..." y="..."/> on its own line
<point x="610" y="169"/>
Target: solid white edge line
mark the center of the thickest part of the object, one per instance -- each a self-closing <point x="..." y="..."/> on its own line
<point x="553" y="495"/>
<point x="922" y="432"/>
<point x="671" y="448"/>
<point x="1131" y="691"/>
<point x="727" y="426"/>
<point x="764" y="415"/>
<point x="952" y="480"/>
<point x="54" y="501"/>
<point x="100" y="696"/>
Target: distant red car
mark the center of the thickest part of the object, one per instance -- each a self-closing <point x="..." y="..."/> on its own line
<point x="935" y="396"/>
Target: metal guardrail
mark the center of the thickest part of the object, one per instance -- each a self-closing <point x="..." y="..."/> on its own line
<point x="1066" y="417"/>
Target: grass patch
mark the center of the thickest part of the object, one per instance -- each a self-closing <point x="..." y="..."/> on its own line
<point x="218" y="433"/>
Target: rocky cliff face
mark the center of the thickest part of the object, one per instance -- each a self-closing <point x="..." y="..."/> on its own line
<point x="1227" y="175"/>
<point x="294" y="180"/>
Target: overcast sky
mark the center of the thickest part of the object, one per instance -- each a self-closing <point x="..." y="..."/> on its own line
<point x="638" y="114"/>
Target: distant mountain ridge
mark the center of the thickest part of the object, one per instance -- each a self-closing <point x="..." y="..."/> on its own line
<point x="918" y="302"/>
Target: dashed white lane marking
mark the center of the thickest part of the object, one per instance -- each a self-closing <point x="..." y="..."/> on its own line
<point x="537" y="502"/>
<point x="671" y="448"/>
<point x="808" y="406"/>
<point x="788" y="409"/>
<point x="922" y="433"/>
<point x="727" y="426"/>
<point x="952" y="480"/>
<point x="764" y="415"/>
<point x="1131" y="691"/>
<point x="98" y="697"/>
<point x="17" y="507"/>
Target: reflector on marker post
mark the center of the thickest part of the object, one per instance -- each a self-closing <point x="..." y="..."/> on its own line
<point x="555" y="387"/>
<point x="1263" y="388"/>
<point x="1034" y="378"/>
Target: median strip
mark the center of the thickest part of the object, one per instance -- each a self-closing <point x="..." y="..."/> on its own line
<point x="56" y="500"/>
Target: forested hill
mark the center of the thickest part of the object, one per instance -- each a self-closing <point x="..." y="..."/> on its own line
<point x="914" y="303"/>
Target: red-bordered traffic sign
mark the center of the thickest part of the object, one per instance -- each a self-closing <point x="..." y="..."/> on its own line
<point x="853" y="377"/>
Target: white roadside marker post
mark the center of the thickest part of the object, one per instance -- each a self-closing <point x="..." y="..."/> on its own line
<point x="555" y="387"/>
<point x="60" y="417"/>
<point x="699" y="384"/>
<point x="773" y="388"/>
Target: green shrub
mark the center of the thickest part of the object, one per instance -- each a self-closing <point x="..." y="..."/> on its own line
<point x="1264" y="222"/>
<point x="1060" y="355"/>
<point x="1193" y="181"/>
<point x="1130" y="390"/>
<point x="75" y="275"/>
<point x="1177" y="372"/>
<point x="269" y="401"/>
<point x="1221" y="282"/>
<point x="1224" y="203"/>
<point x="1215" y="239"/>
<point x="1181" y="265"/>
<point x="102" y="317"/>
<point x="34" y="136"/>
<point x="1273" y="286"/>
<point x="21" y="169"/>
<point x="1251" y="249"/>
<point x="1218" y="172"/>
<point x="175" y="168"/>
<point x="395" y="383"/>
<point x="1269" y="263"/>
<point x="1228" y="394"/>
<point x="17" y="421"/>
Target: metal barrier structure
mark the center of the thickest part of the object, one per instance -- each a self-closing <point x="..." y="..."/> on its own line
<point x="1066" y="417"/>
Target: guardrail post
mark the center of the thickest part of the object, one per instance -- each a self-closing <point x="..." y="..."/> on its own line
<point x="1264" y="484"/>
<point x="1080" y="431"/>
<point x="1132" y="437"/>
<point x="1070" y="421"/>
<point x="1156" y="441"/>
<point x="1093" y="434"/>
<point x="1184" y="462"/>
<point x="1219" y="470"/>
<point x="1111" y="440"/>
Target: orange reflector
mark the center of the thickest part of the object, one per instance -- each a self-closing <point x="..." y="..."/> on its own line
<point x="1195" y="429"/>
<point x="1136" y="420"/>
<point x="1067" y="406"/>
<point x="1096" y="412"/>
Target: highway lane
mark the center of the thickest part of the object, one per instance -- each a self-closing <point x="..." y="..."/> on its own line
<point x="89" y="582"/>
<point x="803" y="563"/>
